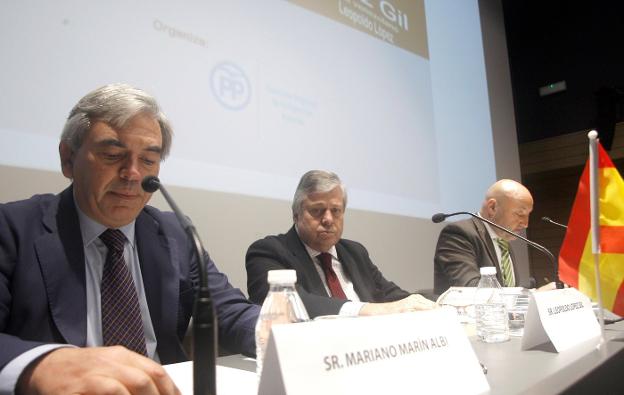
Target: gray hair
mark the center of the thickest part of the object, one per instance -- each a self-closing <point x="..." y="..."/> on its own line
<point x="114" y="104"/>
<point x="316" y="181"/>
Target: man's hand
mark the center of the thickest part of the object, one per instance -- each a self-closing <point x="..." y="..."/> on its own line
<point x="95" y="370"/>
<point x="413" y="302"/>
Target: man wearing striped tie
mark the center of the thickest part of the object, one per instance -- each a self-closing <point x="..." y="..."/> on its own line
<point x="465" y="246"/>
<point x="96" y="286"/>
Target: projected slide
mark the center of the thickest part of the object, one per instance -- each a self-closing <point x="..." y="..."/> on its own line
<point x="261" y="91"/>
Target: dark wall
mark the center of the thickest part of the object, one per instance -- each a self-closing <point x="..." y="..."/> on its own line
<point x="579" y="42"/>
<point x="553" y="192"/>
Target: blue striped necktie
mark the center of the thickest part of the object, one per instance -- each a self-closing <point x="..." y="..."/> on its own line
<point x="121" y="314"/>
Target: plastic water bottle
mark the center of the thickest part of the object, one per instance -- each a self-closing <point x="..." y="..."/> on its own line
<point x="491" y="317"/>
<point x="282" y="305"/>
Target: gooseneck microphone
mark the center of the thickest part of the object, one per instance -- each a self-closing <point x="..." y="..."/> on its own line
<point x="204" y="316"/>
<point x="439" y="217"/>
<point x="547" y="219"/>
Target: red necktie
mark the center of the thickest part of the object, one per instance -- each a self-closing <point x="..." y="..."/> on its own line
<point x="121" y="314"/>
<point x="332" y="280"/>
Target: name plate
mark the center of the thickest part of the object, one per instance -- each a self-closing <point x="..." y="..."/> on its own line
<point x="563" y="317"/>
<point x="421" y="352"/>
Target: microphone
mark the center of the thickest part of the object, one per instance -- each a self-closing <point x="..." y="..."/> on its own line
<point x="547" y="219"/>
<point x="439" y="217"/>
<point x="204" y="316"/>
<point x="150" y="184"/>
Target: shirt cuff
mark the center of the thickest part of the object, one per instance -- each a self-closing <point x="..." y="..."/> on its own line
<point x="12" y="370"/>
<point x="351" y="309"/>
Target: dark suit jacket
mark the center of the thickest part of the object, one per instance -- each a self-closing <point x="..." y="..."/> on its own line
<point x="463" y="247"/>
<point x="286" y="251"/>
<point x="42" y="280"/>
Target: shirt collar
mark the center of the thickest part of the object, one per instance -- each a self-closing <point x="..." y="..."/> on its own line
<point x="91" y="229"/>
<point x="490" y="230"/>
<point x="314" y="253"/>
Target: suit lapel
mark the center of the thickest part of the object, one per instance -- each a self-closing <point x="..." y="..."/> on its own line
<point x="487" y="240"/>
<point x="353" y="272"/>
<point x="157" y="257"/>
<point x="61" y="259"/>
<point x="485" y="236"/>
<point x="304" y="263"/>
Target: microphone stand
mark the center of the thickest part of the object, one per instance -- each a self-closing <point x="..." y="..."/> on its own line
<point x="441" y="217"/>
<point x="204" y="316"/>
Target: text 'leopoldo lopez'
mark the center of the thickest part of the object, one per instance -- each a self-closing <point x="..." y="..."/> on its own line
<point x="564" y="308"/>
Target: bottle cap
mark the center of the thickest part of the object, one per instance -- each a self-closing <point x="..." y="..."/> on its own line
<point x="487" y="270"/>
<point x="282" y="277"/>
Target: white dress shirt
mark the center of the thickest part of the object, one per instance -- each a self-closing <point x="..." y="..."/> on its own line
<point x="354" y="305"/>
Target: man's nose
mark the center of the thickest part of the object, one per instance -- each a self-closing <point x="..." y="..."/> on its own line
<point x="130" y="170"/>
<point x="327" y="218"/>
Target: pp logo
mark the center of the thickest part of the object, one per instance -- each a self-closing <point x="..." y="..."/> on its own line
<point x="230" y="86"/>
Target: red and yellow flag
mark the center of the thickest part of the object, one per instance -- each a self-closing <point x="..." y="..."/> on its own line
<point x="576" y="261"/>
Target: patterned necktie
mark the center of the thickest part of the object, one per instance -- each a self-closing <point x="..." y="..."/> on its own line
<point x="505" y="263"/>
<point x="121" y="315"/>
<point x="330" y="275"/>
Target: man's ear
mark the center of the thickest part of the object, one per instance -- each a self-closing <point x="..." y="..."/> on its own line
<point x="491" y="205"/>
<point x="67" y="159"/>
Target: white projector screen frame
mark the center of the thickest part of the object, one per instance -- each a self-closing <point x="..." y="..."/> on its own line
<point x="320" y="95"/>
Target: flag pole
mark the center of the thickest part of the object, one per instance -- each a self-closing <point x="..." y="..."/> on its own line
<point x="594" y="199"/>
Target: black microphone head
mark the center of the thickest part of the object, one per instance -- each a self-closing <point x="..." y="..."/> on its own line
<point x="439" y="217"/>
<point x="150" y="184"/>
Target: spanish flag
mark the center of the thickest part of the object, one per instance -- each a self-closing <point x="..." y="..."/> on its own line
<point x="576" y="259"/>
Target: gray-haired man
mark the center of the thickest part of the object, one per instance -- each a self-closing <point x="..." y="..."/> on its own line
<point x="334" y="275"/>
<point x="75" y="265"/>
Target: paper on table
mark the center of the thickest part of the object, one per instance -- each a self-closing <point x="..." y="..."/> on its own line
<point x="462" y="299"/>
<point x="229" y="380"/>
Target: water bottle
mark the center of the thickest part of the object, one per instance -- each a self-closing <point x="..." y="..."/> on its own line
<point x="282" y="305"/>
<point x="490" y="311"/>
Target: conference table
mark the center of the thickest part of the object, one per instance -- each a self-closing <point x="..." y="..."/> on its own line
<point x="580" y="370"/>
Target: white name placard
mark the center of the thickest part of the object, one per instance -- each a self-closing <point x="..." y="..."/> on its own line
<point x="563" y="317"/>
<point x="422" y="352"/>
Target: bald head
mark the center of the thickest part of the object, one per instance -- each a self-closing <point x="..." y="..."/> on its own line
<point x="508" y="203"/>
<point x="508" y="189"/>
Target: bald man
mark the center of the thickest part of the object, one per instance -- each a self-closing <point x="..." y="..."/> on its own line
<point x="465" y="246"/>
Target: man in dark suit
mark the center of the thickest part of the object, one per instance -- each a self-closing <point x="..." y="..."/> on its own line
<point x="67" y="260"/>
<point x="465" y="246"/>
<point x="334" y="275"/>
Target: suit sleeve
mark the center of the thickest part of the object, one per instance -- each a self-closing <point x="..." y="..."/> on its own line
<point x="270" y="254"/>
<point x="237" y="315"/>
<point x="456" y="258"/>
<point x="10" y="346"/>
<point x="382" y="290"/>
